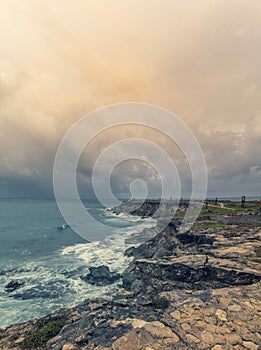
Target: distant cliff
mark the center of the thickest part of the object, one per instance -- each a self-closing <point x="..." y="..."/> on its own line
<point x="155" y="208"/>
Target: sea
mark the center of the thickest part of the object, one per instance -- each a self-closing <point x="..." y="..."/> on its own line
<point x="47" y="258"/>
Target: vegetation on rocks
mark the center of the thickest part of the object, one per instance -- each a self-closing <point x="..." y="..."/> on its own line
<point x="159" y="303"/>
<point x="40" y="336"/>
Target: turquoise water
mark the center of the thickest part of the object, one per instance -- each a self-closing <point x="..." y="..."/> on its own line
<point x="48" y="262"/>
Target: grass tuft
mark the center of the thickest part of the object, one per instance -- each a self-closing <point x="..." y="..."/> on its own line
<point x="160" y="303"/>
<point x="41" y="336"/>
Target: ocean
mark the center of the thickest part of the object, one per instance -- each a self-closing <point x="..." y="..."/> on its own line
<point x="48" y="262"/>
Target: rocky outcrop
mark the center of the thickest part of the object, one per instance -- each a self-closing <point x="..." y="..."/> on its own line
<point x="188" y="271"/>
<point x="147" y="208"/>
<point x="223" y="318"/>
<point x="191" y="260"/>
<point x="170" y="243"/>
<point x="193" y="290"/>
<point x="100" y="276"/>
<point x="137" y="207"/>
<point x="13" y="285"/>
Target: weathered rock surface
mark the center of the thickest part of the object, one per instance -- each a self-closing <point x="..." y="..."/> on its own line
<point x="223" y="318"/>
<point x="100" y="276"/>
<point x="195" y="290"/>
<point x="149" y="208"/>
<point x="152" y="276"/>
<point x="170" y="243"/>
<point x="135" y="208"/>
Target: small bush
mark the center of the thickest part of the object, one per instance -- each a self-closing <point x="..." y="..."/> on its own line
<point x="159" y="303"/>
<point x="42" y="335"/>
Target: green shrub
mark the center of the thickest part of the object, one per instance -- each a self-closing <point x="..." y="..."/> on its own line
<point x="159" y="303"/>
<point x="42" y="335"/>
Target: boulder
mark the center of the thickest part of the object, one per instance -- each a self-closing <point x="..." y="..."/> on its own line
<point x="13" y="285"/>
<point x="192" y="238"/>
<point x="101" y="276"/>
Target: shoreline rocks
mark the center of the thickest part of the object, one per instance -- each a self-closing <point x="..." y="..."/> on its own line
<point x="101" y="276"/>
<point x="186" y="272"/>
<point x="13" y="285"/>
<point x="193" y="290"/>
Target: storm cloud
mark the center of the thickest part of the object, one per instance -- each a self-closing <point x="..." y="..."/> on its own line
<point x="60" y="60"/>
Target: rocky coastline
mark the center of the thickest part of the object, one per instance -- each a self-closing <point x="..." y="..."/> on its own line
<point x="194" y="290"/>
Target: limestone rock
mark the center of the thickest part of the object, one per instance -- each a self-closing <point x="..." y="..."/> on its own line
<point x="68" y="347"/>
<point x="221" y="314"/>
<point x="250" y="345"/>
<point x="153" y="335"/>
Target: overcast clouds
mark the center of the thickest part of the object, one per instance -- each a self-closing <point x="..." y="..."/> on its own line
<point x="61" y="59"/>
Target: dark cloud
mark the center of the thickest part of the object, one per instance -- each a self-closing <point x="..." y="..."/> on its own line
<point x="60" y="60"/>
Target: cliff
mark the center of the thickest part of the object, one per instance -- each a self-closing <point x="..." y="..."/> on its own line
<point x="194" y="290"/>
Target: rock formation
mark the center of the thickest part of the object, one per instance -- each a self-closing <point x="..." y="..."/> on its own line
<point x="100" y="276"/>
<point x="193" y="290"/>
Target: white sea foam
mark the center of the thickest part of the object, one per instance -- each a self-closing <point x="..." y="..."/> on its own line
<point x="55" y="281"/>
<point x="109" y="252"/>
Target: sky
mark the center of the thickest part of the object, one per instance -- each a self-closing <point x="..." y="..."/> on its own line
<point x="60" y="60"/>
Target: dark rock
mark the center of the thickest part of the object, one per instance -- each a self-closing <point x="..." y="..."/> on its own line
<point x="170" y="243"/>
<point x="141" y="237"/>
<point x="147" y="208"/>
<point x="129" y="252"/>
<point x="174" y="224"/>
<point x="150" y="276"/>
<point x="133" y="283"/>
<point x="163" y="243"/>
<point x="190" y="238"/>
<point x="161" y="253"/>
<point x="101" y="276"/>
<point x="13" y="285"/>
